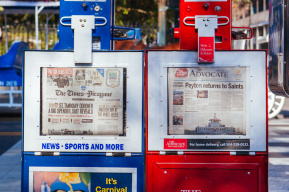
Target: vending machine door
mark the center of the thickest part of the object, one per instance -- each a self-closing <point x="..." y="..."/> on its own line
<point x="79" y="108"/>
<point x="207" y="107"/>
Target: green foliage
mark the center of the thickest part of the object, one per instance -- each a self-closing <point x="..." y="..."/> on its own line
<point x="21" y="27"/>
<point x="136" y="12"/>
<point x="14" y="19"/>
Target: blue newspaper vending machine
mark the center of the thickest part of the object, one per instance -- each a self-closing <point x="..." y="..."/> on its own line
<point x="83" y="109"/>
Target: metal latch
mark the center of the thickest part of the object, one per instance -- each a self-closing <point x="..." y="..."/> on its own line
<point x="206" y="25"/>
<point x="47" y="153"/>
<point x="118" y="154"/>
<point x="242" y="153"/>
<point x="171" y="152"/>
<point x="83" y="26"/>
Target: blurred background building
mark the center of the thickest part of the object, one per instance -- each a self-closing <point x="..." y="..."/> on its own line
<point x="254" y="14"/>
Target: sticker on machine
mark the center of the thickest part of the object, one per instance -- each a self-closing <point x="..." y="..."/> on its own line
<point x="175" y="144"/>
<point x="207" y="144"/>
<point x="237" y="144"/>
<point x="82" y="179"/>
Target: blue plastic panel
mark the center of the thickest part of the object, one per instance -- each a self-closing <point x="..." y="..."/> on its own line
<point x="98" y="8"/>
<point x="102" y="163"/>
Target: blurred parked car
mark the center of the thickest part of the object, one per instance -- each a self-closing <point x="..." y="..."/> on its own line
<point x="275" y="104"/>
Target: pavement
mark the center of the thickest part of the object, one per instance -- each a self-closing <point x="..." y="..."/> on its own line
<point x="10" y="169"/>
<point x="10" y="132"/>
<point x="279" y="155"/>
<point x="10" y="161"/>
<point x="10" y="149"/>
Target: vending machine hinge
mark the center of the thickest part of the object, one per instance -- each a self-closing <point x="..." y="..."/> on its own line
<point x="206" y="26"/>
<point x="242" y="153"/>
<point x="47" y="153"/>
<point x="171" y="152"/>
<point x="120" y="154"/>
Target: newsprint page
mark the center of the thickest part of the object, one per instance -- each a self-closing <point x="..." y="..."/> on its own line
<point x="207" y="101"/>
<point x="82" y="101"/>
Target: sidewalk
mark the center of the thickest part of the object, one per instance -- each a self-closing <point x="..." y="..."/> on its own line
<point x="10" y="169"/>
<point x="279" y="155"/>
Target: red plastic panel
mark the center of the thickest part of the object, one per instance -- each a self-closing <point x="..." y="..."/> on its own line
<point x="207" y="173"/>
<point x="189" y="35"/>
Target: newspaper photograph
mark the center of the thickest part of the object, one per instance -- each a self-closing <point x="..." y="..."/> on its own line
<point x="207" y="101"/>
<point x="82" y="101"/>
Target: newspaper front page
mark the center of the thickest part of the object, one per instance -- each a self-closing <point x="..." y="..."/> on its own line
<point x="207" y="101"/>
<point x="82" y="101"/>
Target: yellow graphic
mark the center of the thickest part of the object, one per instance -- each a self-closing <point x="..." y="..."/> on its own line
<point x="69" y="178"/>
<point x="110" y="181"/>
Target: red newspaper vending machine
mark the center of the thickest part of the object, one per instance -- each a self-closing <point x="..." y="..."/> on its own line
<point x="206" y="108"/>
